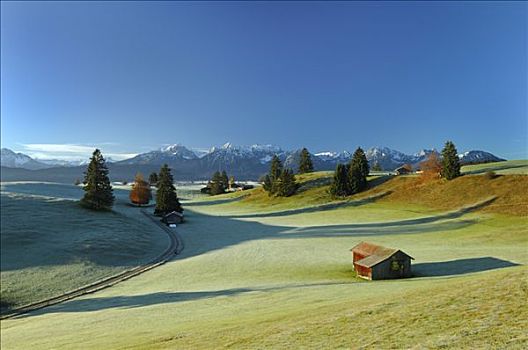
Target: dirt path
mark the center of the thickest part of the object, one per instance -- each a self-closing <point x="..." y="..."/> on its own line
<point x="174" y="248"/>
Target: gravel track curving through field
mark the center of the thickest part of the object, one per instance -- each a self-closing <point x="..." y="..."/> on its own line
<point x="174" y="248"/>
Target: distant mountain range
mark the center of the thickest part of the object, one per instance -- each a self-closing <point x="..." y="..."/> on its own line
<point x="244" y="162"/>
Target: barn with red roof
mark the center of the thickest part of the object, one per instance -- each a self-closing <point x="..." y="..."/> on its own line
<point x="375" y="262"/>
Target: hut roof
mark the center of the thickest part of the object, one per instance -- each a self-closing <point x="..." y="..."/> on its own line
<point x="374" y="253"/>
<point x="173" y="213"/>
<point x="366" y="248"/>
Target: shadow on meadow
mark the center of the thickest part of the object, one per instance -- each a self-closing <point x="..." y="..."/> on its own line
<point x="313" y="209"/>
<point x="460" y="266"/>
<point x="495" y="168"/>
<point x="434" y="269"/>
<point x="135" y="301"/>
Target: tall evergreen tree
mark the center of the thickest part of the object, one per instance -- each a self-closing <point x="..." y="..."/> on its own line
<point x="225" y="180"/>
<point x="267" y="184"/>
<point x="305" y="162"/>
<point x="216" y="184"/>
<point x="450" y="161"/>
<point x="274" y="174"/>
<point x="166" y="197"/>
<point x="275" y="168"/>
<point x="358" y="171"/>
<point x="98" y="190"/>
<point x="377" y="167"/>
<point x="153" y="179"/>
<point x="339" y="186"/>
<point x="285" y="184"/>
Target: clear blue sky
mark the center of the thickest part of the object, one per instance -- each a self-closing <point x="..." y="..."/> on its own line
<point x="132" y="76"/>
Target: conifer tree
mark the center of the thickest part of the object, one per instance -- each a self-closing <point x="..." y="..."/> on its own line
<point x="305" y="162"/>
<point x="98" y="190"/>
<point x="357" y="172"/>
<point x="153" y="179"/>
<point x="339" y="186"/>
<point x="450" y="161"/>
<point x="216" y="184"/>
<point x="225" y="180"/>
<point x="267" y="184"/>
<point x="274" y="174"/>
<point x="285" y="184"/>
<point x="166" y="197"/>
<point x="275" y="168"/>
<point x="377" y="167"/>
<point x="140" y="193"/>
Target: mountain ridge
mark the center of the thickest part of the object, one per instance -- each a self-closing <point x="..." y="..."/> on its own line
<point x="244" y="162"/>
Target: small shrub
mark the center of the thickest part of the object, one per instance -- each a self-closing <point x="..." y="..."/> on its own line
<point x="490" y="175"/>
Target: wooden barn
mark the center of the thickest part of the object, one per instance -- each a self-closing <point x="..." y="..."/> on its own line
<point x="403" y="170"/>
<point x="172" y="218"/>
<point x="375" y="262"/>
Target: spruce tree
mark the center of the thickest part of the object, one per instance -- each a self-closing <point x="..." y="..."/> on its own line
<point x="166" y="197"/>
<point x="274" y="174"/>
<point x="377" y="167"/>
<point x="286" y="185"/>
<point x="339" y="186"/>
<point x="450" y="161"/>
<point x="305" y="162"/>
<point x="153" y="179"/>
<point x="267" y="184"/>
<point x="358" y="171"/>
<point x="225" y="180"/>
<point x="216" y="184"/>
<point x="98" y="190"/>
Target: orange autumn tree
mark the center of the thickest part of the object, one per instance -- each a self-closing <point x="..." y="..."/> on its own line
<point x="431" y="167"/>
<point x="140" y="193"/>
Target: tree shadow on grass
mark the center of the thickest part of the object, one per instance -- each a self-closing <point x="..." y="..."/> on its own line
<point x="459" y="267"/>
<point x="402" y="226"/>
<point x="495" y="168"/>
<point x="215" y="202"/>
<point x="318" y="208"/>
<point x="136" y="301"/>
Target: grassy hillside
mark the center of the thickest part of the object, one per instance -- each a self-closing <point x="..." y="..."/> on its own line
<point x="50" y="244"/>
<point x="505" y="168"/>
<point x="260" y="272"/>
<point x="411" y="191"/>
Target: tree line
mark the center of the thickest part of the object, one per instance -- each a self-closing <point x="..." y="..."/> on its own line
<point x="98" y="191"/>
<point x="348" y="179"/>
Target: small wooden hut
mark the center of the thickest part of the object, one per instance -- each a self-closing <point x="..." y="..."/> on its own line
<point x="172" y="218"/>
<point x="375" y="262"/>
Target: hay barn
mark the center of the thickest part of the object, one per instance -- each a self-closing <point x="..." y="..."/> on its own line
<point x="375" y="262"/>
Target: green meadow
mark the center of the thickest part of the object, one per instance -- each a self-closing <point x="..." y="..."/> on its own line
<point x="50" y="245"/>
<point x="261" y="272"/>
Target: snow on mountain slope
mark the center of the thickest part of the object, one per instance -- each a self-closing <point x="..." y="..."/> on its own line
<point x="11" y="159"/>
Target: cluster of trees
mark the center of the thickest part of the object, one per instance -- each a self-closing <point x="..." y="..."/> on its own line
<point x="279" y="181"/>
<point x="305" y="162"/>
<point x="448" y="167"/>
<point x="98" y="192"/>
<point x="219" y="183"/>
<point x="352" y="178"/>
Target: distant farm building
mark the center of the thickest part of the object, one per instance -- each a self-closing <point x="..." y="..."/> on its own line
<point x="375" y="262"/>
<point x="403" y="170"/>
<point x="172" y="218"/>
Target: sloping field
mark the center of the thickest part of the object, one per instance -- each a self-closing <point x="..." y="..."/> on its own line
<point x="509" y="167"/>
<point x="285" y="280"/>
<point x="49" y="244"/>
<point x="411" y="191"/>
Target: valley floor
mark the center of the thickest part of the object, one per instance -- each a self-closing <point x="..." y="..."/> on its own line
<point x="255" y="277"/>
